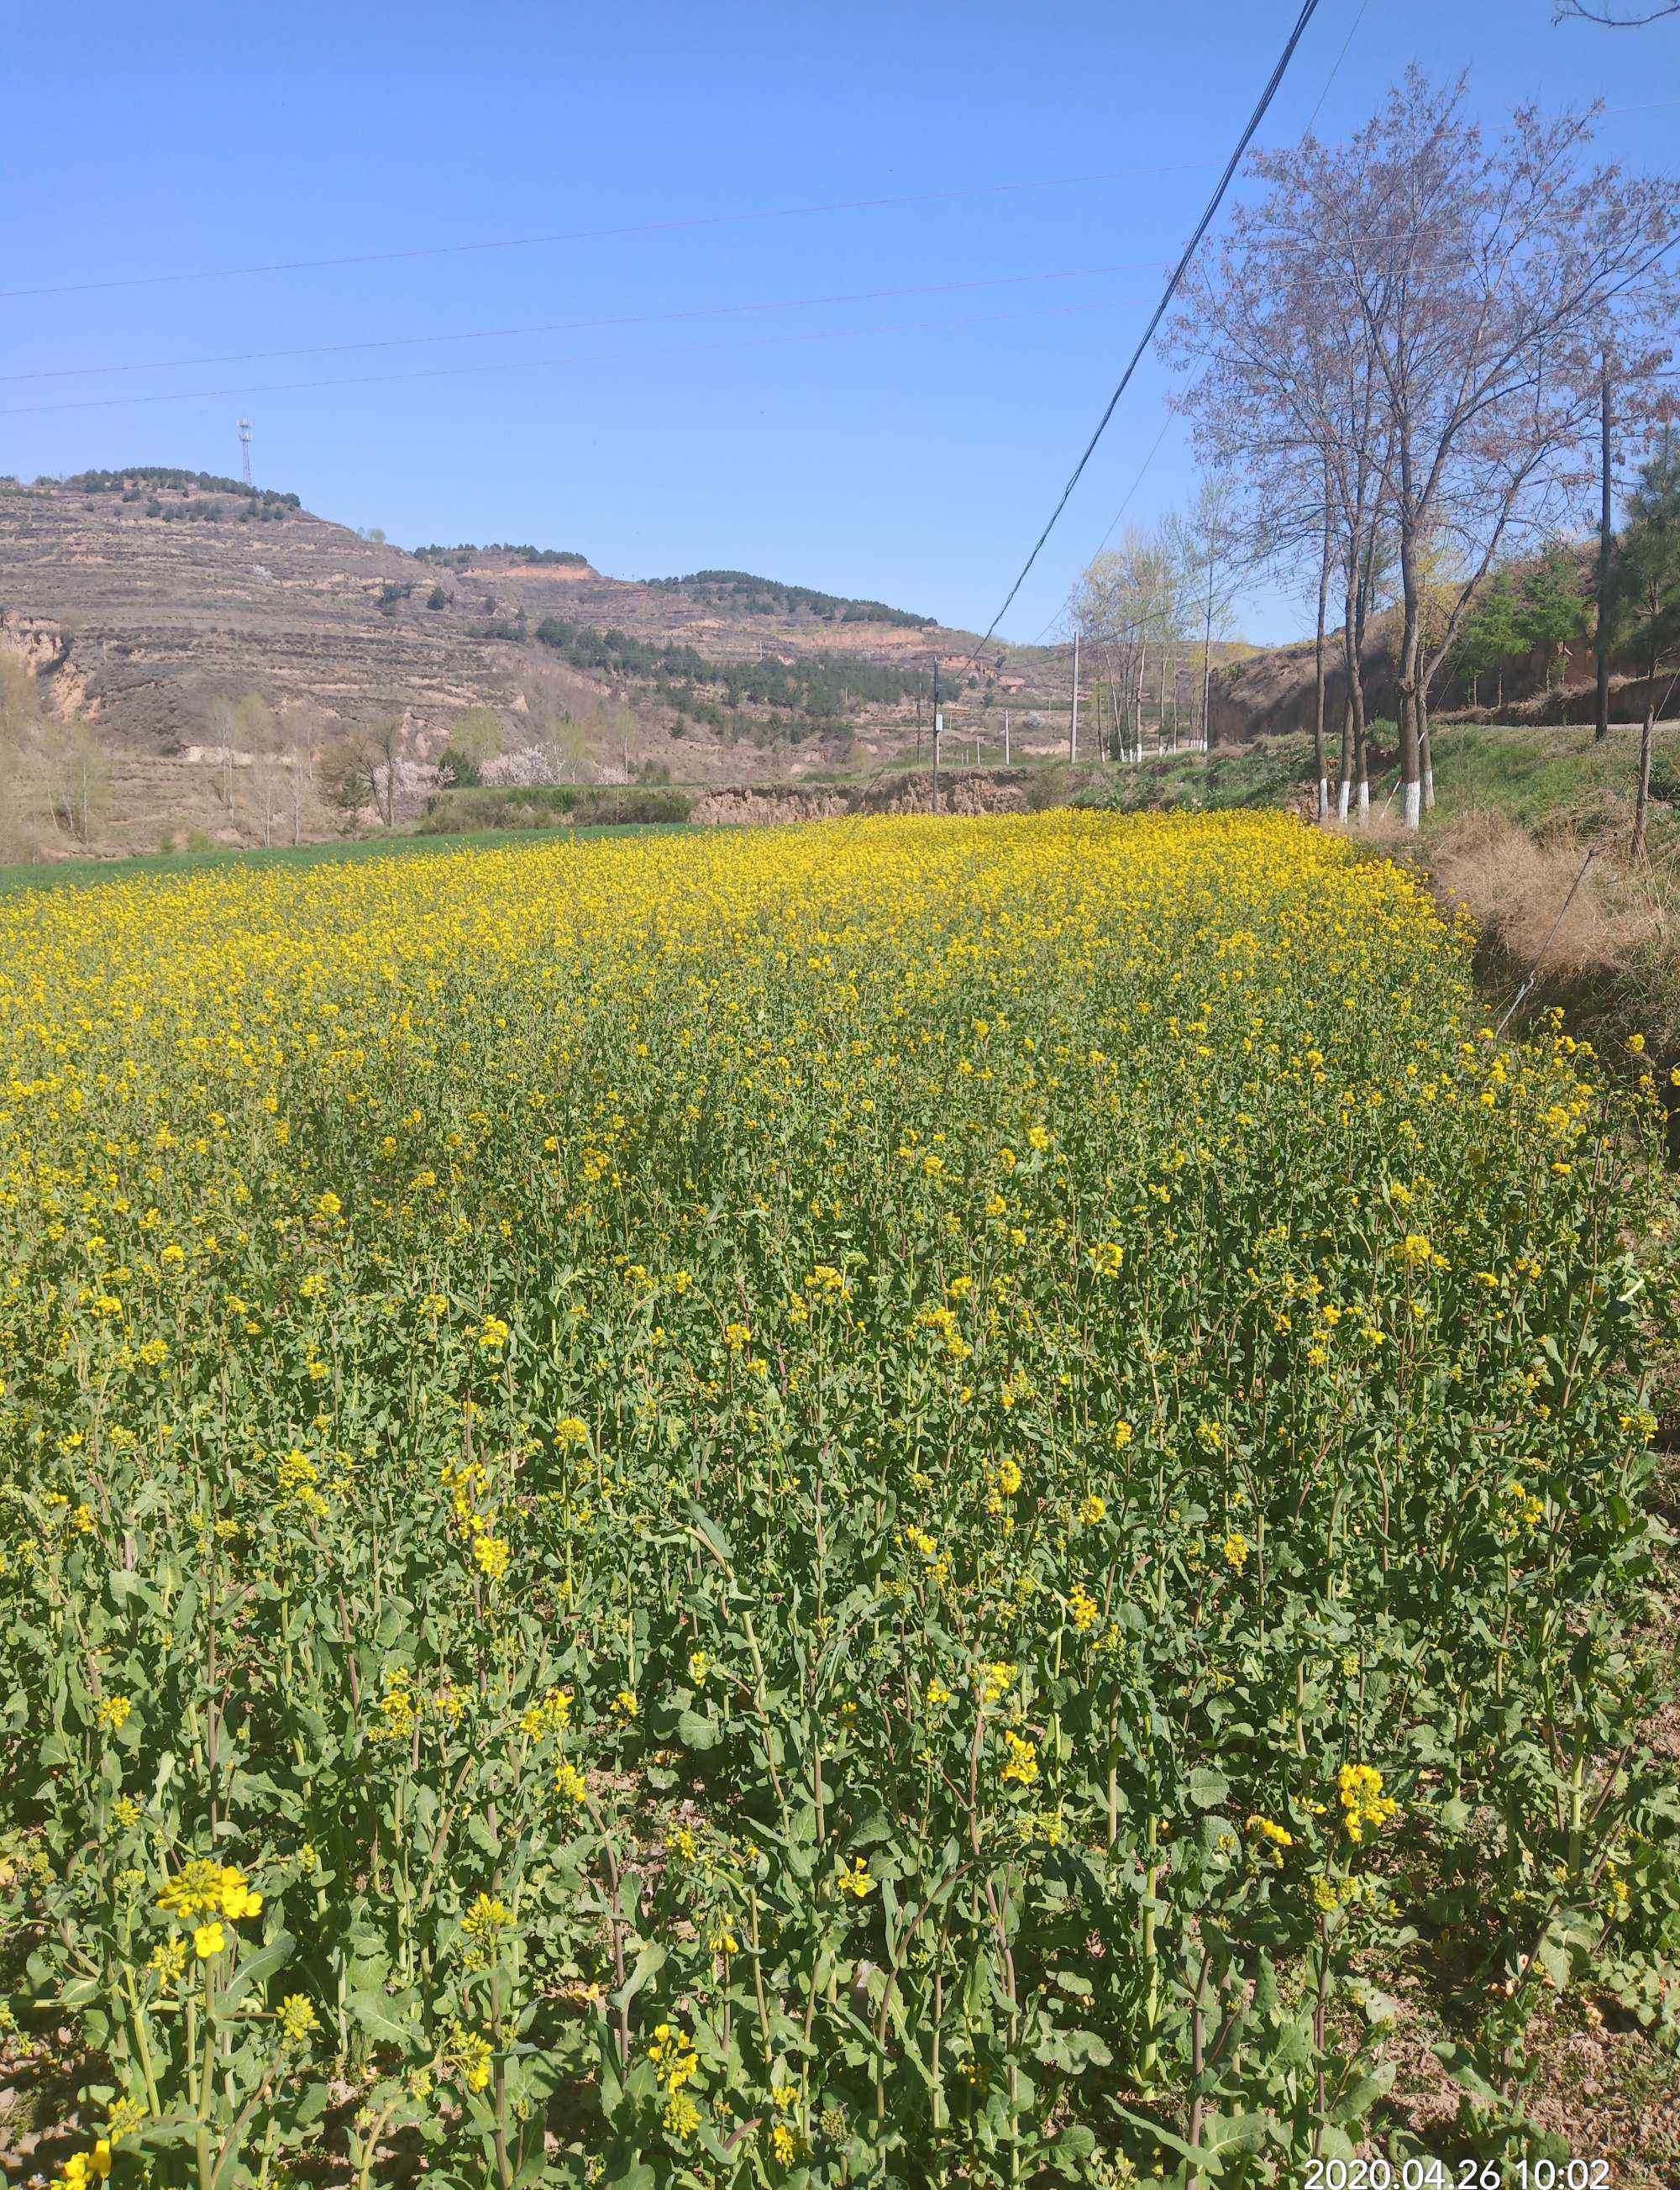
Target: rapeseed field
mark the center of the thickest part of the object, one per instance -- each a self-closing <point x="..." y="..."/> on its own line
<point x="895" y="1503"/>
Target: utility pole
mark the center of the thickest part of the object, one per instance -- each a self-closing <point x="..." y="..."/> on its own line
<point x="1602" y="637"/>
<point x="939" y="725"/>
<point x="1207" y="642"/>
<point x="1006" y="737"/>
<point x="1073" y="720"/>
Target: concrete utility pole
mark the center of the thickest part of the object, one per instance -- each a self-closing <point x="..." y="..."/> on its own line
<point x="1601" y="640"/>
<point x="1073" y="720"/>
<point x="1006" y="737"/>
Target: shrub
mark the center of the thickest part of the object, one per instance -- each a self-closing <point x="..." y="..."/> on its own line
<point x="552" y="806"/>
<point x="1665" y="776"/>
<point x="463" y="767"/>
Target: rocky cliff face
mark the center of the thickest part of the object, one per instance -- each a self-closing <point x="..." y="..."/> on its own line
<point x="40" y="646"/>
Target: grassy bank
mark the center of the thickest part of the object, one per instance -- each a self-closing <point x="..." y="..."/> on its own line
<point x="1534" y="776"/>
<point x="543" y="805"/>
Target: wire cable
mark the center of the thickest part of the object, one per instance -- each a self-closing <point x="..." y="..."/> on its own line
<point x="623" y="319"/>
<point x="547" y="364"/>
<point x="1309" y="8"/>
<point x="595" y="234"/>
<point x="580" y="327"/>
<point x="1335" y="70"/>
<point x="1056" y="615"/>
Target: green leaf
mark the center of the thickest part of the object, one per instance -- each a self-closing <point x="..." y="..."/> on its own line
<point x="1209" y="1788"/>
<point x="1461" y="2065"/>
<point x="648" y="1963"/>
<point x="697" y="1732"/>
<point x="626" y="2171"/>
<point x="256" y="1969"/>
<point x="371" y="2012"/>
<point x="714" y="1533"/>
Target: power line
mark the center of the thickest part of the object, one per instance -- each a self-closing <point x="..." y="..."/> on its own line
<point x="1335" y="70"/>
<point x="639" y="228"/>
<point x="1309" y="8"/>
<point x="624" y="319"/>
<point x="1055" y="615"/>
<point x="579" y="326"/>
<point x="596" y="235"/>
<point x="547" y="364"/>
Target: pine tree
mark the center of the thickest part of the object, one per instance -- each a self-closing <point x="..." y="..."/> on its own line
<point x="1551" y="606"/>
<point x="1492" y="634"/>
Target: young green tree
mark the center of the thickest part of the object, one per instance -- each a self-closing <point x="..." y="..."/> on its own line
<point x="1646" y="597"/>
<point x="22" y="760"/>
<point x="1490" y="636"/>
<point x="474" y="741"/>
<point x="1552" y="604"/>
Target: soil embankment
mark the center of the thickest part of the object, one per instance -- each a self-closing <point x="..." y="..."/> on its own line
<point x="962" y="790"/>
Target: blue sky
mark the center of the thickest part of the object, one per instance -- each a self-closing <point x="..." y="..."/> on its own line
<point x="906" y="446"/>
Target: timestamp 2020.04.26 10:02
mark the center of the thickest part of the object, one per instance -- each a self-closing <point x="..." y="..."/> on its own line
<point x="1545" y="2174"/>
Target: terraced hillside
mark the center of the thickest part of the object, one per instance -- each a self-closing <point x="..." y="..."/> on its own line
<point x="142" y="603"/>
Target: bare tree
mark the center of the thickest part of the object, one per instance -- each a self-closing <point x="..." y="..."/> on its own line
<point x="1132" y="608"/>
<point x="77" y="777"/>
<point x="1320" y="768"/>
<point x="361" y="770"/>
<point x="300" y="733"/>
<point x="1284" y="403"/>
<point x="1442" y="294"/>
<point x="243" y="730"/>
<point x="1634" y="17"/>
<point x="266" y="745"/>
<point x="1491" y="267"/>
<point x="1208" y="542"/>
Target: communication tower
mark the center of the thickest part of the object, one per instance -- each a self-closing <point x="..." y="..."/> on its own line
<point x="245" y="447"/>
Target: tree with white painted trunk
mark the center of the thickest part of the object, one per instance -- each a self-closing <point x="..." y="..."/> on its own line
<point x="1283" y="401"/>
<point x="1410" y="316"/>
<point x="1479" y="273"/>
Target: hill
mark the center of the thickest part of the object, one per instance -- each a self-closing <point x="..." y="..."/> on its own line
<point x="150" y="603"/>
<point x="143" y="598"/>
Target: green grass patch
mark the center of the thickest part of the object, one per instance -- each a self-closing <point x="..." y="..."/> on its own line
<point x="76" y="874"/>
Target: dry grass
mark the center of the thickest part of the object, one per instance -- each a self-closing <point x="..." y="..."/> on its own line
<point x="1608" y="955"/>
<point x="1517" y="888"/>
